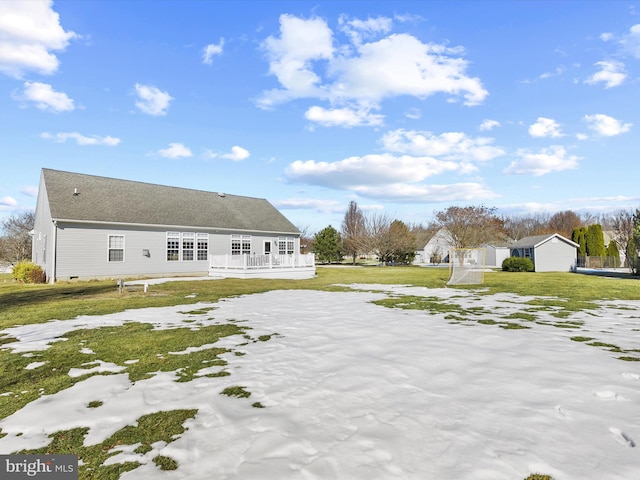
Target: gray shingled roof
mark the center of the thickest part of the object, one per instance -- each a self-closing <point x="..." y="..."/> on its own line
<point x="534" y="240"/>
<point x="102" y="199"/>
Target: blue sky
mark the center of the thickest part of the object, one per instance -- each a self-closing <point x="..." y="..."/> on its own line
<point x="406" y="107"/>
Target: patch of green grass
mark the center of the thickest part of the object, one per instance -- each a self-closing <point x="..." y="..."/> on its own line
<point x="433" y="305"/>
<point x="165" y="463"/>
<point x="521" y="315"/>
<point x="629" y="359"/>
<point x="579" y="338"/>
<point x="236" y="391"/>
<point x="95" y="404"/>
<point x="152" y="347"/>
<point x="538" y="476"/>
<point x="257" y="405"/>
<point x="161" y="426"/>
<point x="608" y="346"/>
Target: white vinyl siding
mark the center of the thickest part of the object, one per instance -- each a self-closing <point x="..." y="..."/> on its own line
<point x="116" y="248"/>
<point x="240" y="244"/>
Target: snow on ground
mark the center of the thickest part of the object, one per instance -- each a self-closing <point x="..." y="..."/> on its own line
<point x="353" y="390"/>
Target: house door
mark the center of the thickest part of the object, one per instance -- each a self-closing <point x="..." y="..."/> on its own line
<point x="267" y="247"/>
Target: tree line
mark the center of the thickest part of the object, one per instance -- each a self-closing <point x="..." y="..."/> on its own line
<point x="394" y="241"/>
<point x="391" y="240"/>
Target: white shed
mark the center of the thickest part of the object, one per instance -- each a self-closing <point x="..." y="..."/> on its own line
<point x="549" y="253"/>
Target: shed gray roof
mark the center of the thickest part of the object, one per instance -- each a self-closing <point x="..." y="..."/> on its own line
<point x="110" y="200"/>
<point x="535" y="240"/>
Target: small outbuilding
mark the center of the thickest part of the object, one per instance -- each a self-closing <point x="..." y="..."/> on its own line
<point x="549" y="253"/>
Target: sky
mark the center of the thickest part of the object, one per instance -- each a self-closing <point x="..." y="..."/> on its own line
<point x="426" y="398"/>
<point x="406" y="107"/>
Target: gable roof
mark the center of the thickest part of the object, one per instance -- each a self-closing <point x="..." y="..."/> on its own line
<point x="537" y="240"/>
<point x="86" y="198"/>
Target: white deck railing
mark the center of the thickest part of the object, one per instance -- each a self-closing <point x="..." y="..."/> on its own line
<point x="260" y="262"/>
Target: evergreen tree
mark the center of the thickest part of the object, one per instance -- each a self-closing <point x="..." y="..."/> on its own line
<point x="403" y="242"/>
<point x="595" y="241"/>
<point x="579" y="236"/>
<point x="327" y="245"/>
<point x="613" y="253"/>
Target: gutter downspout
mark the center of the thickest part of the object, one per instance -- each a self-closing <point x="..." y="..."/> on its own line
<point x="52" y="279"/>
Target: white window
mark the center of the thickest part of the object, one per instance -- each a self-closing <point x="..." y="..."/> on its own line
<point x="285" y="245"/>
<point x="188" y="246"/>
<point x="203" y="246"/>
<point x="240" y="244"/>
<point x="173" y="246"/>
<point x="116" y="248"/>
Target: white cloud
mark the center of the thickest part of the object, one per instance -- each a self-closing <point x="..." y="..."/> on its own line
<point x="45" y="97"/>
<point x="30" y="190"/>
<point x="605" y="125"/>
<point x="152" y="100"/>
<point x="344" y="117"/>
<point x="631" y="41"/>
<point x="400" y="64"/>
<point x="8" y="201"/>
<point x="211" y="50"/>
<point x="80" y="139"/>
<point x="29" y="32"/>
<point x="420" y="193"/>
<point x="611" y="74"/>
<point x="237" y="154"/>
<point x="354" y="172"/>
<point x="488" y="124"/>
<point x="308" y="65"/>
<point x="547" y="160"/>
<point x="449" y="145"/>
<point x="290" y="56"/>
<point x="358" y="29"/>
<point x="545" y="127"/>
<point x="175" y="150"/>
<point x="320" y="205"/>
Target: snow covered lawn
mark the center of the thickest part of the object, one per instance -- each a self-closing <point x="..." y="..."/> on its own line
<point x="343" y="388"/>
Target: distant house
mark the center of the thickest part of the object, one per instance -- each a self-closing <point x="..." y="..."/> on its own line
<point x="436" y="250"/>
<point x="549" y="253"/>
<point x="96" y="227"/>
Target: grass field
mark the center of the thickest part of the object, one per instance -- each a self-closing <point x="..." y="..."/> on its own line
<point x="21" y="383"/>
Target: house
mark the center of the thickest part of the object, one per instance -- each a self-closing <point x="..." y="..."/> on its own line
<point x="549" y="253"/>
<point x="436" y="250"/>
<point x="97" y="227"/>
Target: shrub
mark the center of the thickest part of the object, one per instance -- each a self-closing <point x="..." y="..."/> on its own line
<point x="28" y="272"/>
<point x="517" y="264"/>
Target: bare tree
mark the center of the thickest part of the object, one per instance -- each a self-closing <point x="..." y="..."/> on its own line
<point x="623" y="226"/>
<point x="518" y="227"/>
<point x="564" y="223"/>
<point x="15" y="243"/>
<point x="471" y="226"/>
<point x="378" y="240"/>
<point x="423" y="233"/>
<point x="306" y="239"/>
<point x="354" y="231"/>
